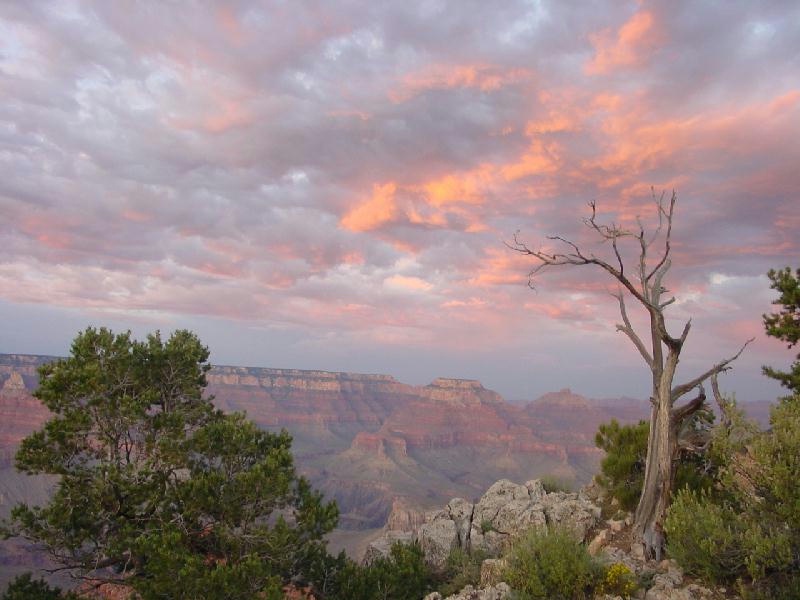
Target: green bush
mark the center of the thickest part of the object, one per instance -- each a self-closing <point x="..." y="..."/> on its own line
<point x="551" y="564"/>
<point x="749" y="528"/>
<point x="24" y="587"/>
<point x="552" y="484"/>
<point x="622" y="468"/>
<point x="403" y="575"/>
<point x="705" y="537"/>
<point x="462" y="569"/>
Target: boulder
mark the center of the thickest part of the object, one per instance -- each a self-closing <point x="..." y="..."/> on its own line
<point x="497" y="592"/>
<point x="381" y="546"/>
<point x="499" y="496"/>
<point x="437" y="539"/>
<point x="505" y="510"/>
<point x="571" y="512"/>
<point x="598" y="542"/>
<point x="611" y="555"/>
<point x="460" y="512"/>
<point x="536" y="489"/>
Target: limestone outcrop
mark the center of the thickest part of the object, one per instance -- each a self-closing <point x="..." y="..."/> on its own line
<point x="494" y="592"/>
<point x="506" y="510"/>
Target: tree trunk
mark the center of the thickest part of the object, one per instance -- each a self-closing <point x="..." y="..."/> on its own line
<point x="662" y="447"/>
<point x="658" y="481"/>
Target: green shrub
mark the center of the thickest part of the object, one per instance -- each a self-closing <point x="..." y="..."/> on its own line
<point x="779" y="586"/>
<point x="705" y="537"/>
<point x="551" y="564"/>
<point x="24" y="587"/>
<point x="462" y="569"/>
<point x="403" y="575"/>
<point x="748" y="529"/>
<point x="622" y="469"/>
<point x="552" y="484"/>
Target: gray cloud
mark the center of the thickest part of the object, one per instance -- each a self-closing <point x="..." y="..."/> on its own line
<point x="345" y="174"/>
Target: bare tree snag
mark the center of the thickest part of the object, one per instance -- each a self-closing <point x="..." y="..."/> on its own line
<point x="643" y="281"/>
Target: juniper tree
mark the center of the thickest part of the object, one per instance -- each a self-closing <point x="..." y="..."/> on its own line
<point x="643" y="280"/>
<point x="158" y="490"/>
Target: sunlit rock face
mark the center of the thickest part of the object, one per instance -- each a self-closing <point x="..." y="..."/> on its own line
<point x="368" y="440"/>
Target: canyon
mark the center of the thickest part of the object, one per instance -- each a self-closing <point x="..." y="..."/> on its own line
<point x="386" y="451"/>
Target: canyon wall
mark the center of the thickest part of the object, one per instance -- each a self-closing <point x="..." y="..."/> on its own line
<point x="370" y="440"/>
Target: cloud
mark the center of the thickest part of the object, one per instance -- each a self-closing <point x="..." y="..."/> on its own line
<point x="347" y="175"/>
<point x="485" y="78"/>
<point x="630" y="46"/>
<point x="381" y="208"/>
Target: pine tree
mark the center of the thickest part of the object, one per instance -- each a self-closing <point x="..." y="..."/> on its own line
<point x="785" y="324"/>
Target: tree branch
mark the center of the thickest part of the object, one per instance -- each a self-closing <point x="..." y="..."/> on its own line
<point x="680" y="390"/>
<point x="724" y="405"/>
<point x="628" y="330"/>
<point x="679" y="413"/>
<point x="574" y="258"/>
<point x="667" y="240"/>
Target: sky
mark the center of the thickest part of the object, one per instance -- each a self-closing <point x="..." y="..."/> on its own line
<point x="332" y="185"/>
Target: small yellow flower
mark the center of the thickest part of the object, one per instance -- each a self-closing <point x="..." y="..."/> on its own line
<point x="618" y="581"/>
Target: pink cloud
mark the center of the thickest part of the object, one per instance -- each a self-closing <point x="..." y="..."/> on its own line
<point x="381" y="208"/>
<point x="486" y="78"/>
<point x="631" y="46"/>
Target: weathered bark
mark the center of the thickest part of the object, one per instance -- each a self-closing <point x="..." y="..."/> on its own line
<point x="661" y="357"/>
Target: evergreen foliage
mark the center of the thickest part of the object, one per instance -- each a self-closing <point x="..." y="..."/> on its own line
<point x="749" y="527"/>
<point x="158" y="490"/>
<point x="403" y="575"/>
<point x="622" y="468"/>
<point x="785" y="324"/>
<point x="24" y="587"/>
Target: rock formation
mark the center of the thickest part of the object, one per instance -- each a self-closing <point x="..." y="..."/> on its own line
<point x="493" y="592"/>
<point x="506" y="510"/>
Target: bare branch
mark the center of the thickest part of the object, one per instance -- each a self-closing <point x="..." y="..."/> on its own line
<point x="679" y="413"/>
<point x="628" y="330"/>
<point x="685" y="332"/>
<point x="724" y="405"/>
<point x="680" y="390"/>
<point x="664" y="305"/>
<point x="577" y="254"/>
<point x="667" y="240"/>
<point x="619" y="258"/>
<point x="657" y="287"/>
<point x="576" y="257"/>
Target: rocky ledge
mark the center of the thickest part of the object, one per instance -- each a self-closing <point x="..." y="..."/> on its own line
<point x="506" y="510"/>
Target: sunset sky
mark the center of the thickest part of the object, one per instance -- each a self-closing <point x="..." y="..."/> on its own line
<point x="329" y="185"/>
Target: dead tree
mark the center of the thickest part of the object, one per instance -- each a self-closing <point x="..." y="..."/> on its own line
<point x="644" y="282"/>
